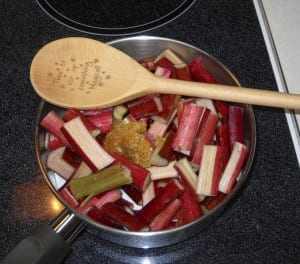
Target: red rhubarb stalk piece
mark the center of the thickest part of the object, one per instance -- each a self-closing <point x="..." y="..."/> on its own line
<point x="68" y="197"/>
<point x="206" y="133"/>
<point x="73" y="113"/>
<point x="71" y="157"/>
<point x="166" y="150"/>
<point x="169" y="102"/>
<point x="56" y="163"/>
<point x="103" y="121"/>
<point x="53" y="123"/>
<point x="100" y="217"/>
<point x="164" y="197"/>
<point x="133" y="193"/>
<point x="222" y="140"/>
<point x="199" y="72"/>
<point x="211" y="202"/>
<point x="140" y="176"/>
<point x="99" y="200"/>
<point x="236" y="125"/>
<point x="191" y="209"/>
<point x="52" y="142"/>
<point x="223" y="110"/>
<point x="187" y="130"/>
<point x="162" y="219"/>
<point x="210" y="171"/>
<point x="233" y="167"/>
<point x="122" y="217"/>
<point x="147" y="106"/>
<point x="86" y="145"/>
<point x="183" y="72"/>
<point x="180" y="106"/>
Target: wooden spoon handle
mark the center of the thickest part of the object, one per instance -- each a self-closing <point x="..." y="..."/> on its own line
<point x="227" y="93"/>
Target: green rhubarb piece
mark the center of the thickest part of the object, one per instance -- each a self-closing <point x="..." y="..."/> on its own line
<point x="107" y="179"/>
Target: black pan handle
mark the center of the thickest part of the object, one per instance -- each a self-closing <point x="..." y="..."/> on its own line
<point x="47" y="244"/>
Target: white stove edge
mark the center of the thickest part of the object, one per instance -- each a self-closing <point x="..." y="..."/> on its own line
<point x="279" y="77"/>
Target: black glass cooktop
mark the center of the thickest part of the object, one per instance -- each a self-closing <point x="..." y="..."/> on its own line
<point x="114" y="17"/>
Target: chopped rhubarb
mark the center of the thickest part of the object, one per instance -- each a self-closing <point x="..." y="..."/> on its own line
<point x="56" y="163"/>
<point x="147" y="106"/>
<point x="103" y="121"/>
<point x="163" y="72"/>
<point x="71" y="157"/>
<point x="211" y="202"/>
<point x="207" y="103"/>
<point x="68" y="197"/>
<point x="162" y="219"/>
<point x="134" y="194"/>
<point x="85" y="145"/>
<point x="149" y="193"/>
<point x="206" y="133"/>
<point x="186" y="171"/>
<point x="100" y="217"/>
<point x="140" y="176"/>
<point x="183" y="72"/>
<point x="165" y="196"/>
<point x="166" y="150"/>
<point x="168" y="55"/>
<point x="53" y="123"/>
<point x="122" y="217"/>
<point x="187" y="129"/>
<point x="222" y="140"/>
<point x="107" y="179"/>
<point x="99" y="200"/>
<point x="236" y="125"/>
<point x="119" y="112"/>
<point x="199" y="72"/>
<point x="210" y="171"/>
<point x="222" y="109"/>
<point x="73" y="113"/>
<point x="158" y="173"/>
<point x="52" y="142"/>
<point x="156" y="159"/>
<point x="169" y="102"/>
<point x="191" y="209"/>
<point x="82" y="171"/>
<point x="233" y="167"/>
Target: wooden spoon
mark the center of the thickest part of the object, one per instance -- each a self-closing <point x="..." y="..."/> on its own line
<point x="83" y="73"/>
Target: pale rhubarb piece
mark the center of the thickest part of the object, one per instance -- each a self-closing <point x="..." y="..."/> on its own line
<point x="148" y="193"/>
<point x="170" y="56"/>
<point x="233" y="168"/>
<point x="82" y="171"/>
<point x="123" y="218"/>
<point x="186" y="171"/>
<point x="161" y="220"/>
<point x="119" y="112"/>
<point x="165" y="172"/>
<point x="162" y="72"/>
<point x="210" y="171"/>
<point x="56" y="163"/>
<point x="163" y="198"/>
<point x="86" y="145"/>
